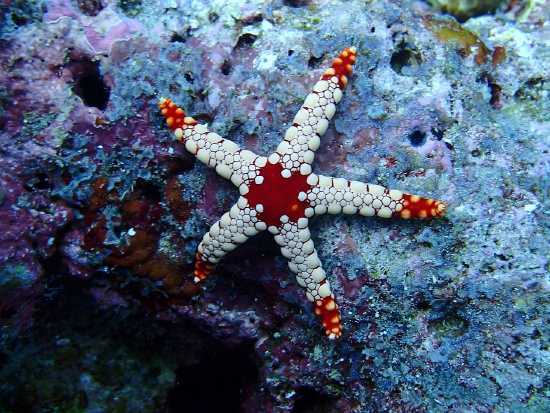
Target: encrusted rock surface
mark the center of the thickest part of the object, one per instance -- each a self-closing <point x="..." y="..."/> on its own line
<point x="101" y="211"/>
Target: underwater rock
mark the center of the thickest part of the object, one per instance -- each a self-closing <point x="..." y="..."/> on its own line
<point x="101" y="211"/>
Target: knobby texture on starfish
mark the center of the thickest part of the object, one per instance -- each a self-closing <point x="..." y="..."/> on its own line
<point x="280" y="192"/>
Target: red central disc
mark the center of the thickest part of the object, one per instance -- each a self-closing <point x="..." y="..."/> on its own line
<point x="278" y="195"/>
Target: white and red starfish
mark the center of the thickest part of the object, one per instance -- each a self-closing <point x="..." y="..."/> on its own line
<point x="280" y="192"/>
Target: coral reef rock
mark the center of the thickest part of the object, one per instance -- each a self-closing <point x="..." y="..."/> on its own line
<point x="101" y="210"/>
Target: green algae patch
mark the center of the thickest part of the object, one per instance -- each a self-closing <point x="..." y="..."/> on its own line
<point x="448" y="30"/>
<point x="14" y="276"/>
<point x="465" y="9"/>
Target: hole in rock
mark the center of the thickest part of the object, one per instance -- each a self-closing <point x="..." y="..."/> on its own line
<point x="310" y="401"/>
<point x="226" y="68"/>
<point x="405" y="57"/>
<point x="89" y="86"/>
<point x="216" y="384"/>
<point x="246" y="40"/>
<point x="417" y="138"/>
<point x="315" y="62"/>
<point x="90" y="7"/>
<point x="296" y="3"/>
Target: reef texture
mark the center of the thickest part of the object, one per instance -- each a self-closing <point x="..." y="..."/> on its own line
<point x="102" y="211"/>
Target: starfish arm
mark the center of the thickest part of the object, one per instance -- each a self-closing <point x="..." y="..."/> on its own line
<point x="335" y="195"/>
<point x="233" y="228"/>
<point x="297" y="246"/>
<point x="302" y="139"/>
<point x="229" y="160"/>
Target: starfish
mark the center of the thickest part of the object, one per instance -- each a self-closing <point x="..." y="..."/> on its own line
<point x="280" y="193"/>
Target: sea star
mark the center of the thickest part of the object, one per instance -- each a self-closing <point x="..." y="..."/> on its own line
<point x="280" y="193"/>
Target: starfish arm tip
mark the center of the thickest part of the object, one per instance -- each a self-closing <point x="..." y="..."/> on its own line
<point x="414" y="206"/>
<point x="174" y="115"/>
<point x="327" y="309"/>
<point x="342" y="66"/>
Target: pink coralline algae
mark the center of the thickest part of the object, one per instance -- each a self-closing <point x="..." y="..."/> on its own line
<point x="102" y="213"/>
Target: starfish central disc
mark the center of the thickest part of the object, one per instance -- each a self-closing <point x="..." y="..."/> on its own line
<point x="278" y="195"/>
